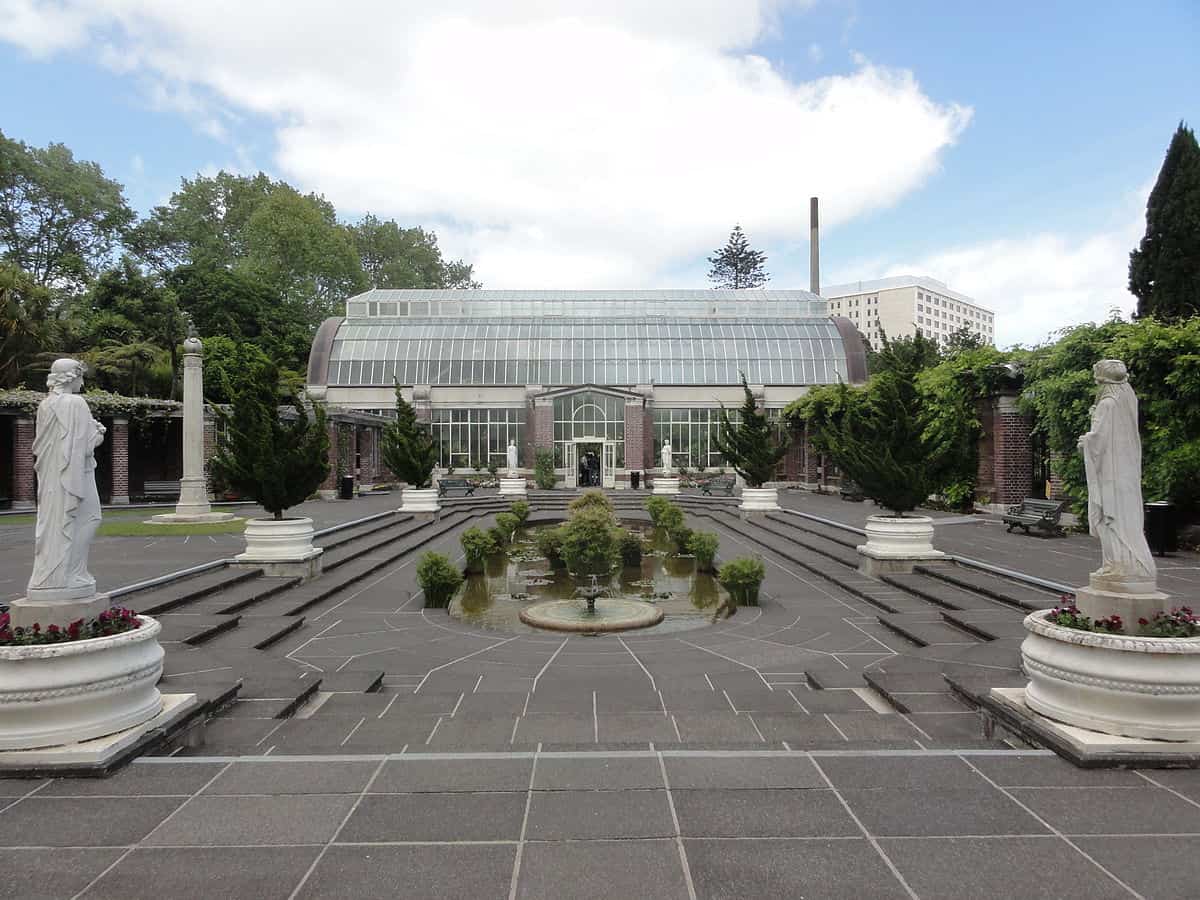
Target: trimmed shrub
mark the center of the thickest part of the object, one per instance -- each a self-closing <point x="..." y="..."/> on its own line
<point x="742" y="578"/>
<point x="498" y="535"/>
<point x="549" y="544"/>
<point x="477" y="545"/>
<point x="703" y="545"/>
<point x="589" y="500"/>
<point x="507" y="523"/>
<point x="589" y="546"/>
<point x="439" y="579"/>
<point x="630" y="544"/>
<point x="543" y="469"/>
<point x="656" y="506"/>
<point x="681" y="535"/>
<point x="520" y="509"/>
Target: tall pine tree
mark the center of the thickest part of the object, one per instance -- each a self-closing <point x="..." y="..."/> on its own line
<point x="750" y="445"/>
<point x="1164" y="271"/>
<point x="736" y="265"/>
<point x="407" y="446"/>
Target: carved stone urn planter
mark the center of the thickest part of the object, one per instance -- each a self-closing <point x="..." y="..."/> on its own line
<point x="281" y="546"/>
<point x="54" y="694"/>
<point x="419" y="500"/>
<point x="760" y="499"/>
<point x="894" y="543"/>
<point x="1143" y="687"/>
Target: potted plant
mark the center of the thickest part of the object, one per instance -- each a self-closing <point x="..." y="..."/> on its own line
<point x="408" y="449"/>
<point x="277" y="461"/>
<point x="439" y="579"/>
<point x="742" y="578"/>
<point x="754" y="449"/>
<point x="703" y="545"/>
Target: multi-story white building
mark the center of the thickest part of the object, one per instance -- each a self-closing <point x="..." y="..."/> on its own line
<point x="899" y="306"/>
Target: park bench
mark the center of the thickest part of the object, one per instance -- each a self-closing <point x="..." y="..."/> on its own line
<point x="850" y="491"/>
<point x="722" y="483"/>
<point x="1034" y="513"/>
<point x="446" y="485"/>
<point x="160" y="489"/>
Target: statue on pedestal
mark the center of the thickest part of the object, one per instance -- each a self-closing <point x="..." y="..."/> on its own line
<point x="512" y="458"/>
<point x="1112" y="456"/>
<point x="666" y="457"/>
<point x="68" y="512"/>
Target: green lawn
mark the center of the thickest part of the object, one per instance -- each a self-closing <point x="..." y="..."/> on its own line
<point x="129" y="523"/>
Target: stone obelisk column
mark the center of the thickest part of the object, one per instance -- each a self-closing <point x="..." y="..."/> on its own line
<point x="193" y="505"/>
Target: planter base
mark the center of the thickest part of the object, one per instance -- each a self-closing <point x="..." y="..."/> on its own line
<point x="1129" y="606"/>
<point x="512" y="487"/>
<point x="894" y="545"/>
<point x="305" y="567"/>
<point x="765" y="499"/>
<point x="34" y="610"/>
<point x="419" y="501"/>
<point x="101" y="754"/>
<point x="190" y="518"/>
<point x="664" y="486"/>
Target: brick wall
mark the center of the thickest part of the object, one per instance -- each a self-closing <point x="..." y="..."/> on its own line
<point x="810" y="460"/>
<point x="24" y="483"/>
<point x="793" y="463"/>
<point x="543" y="426"/>
<point x="985" y="473"/>
<point x="330" y="482"/>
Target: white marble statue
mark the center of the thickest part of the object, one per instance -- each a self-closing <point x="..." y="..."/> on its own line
<point x="512" y="458"/>
<point x="1112" y="456"/>
<point x="68" y="511"/>
<point x="666" y="457"/>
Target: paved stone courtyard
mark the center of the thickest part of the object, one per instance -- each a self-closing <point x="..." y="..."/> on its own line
<point x="813" y="746"/>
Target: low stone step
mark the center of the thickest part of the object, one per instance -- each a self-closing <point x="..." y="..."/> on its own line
<point x="193" y="628"/>
<point x="185" y="590"/>
<point x="242" y="597"/>
<point x="927" y="633"/>
<point x="344" y="536"/>
<point x="940" y="592"/>
<point x="991" y="626"/>
<point x="1013" y="593"/>
<point x="257" y="632"/>
<point x="365" y="682"/>
<point x="829" y="533"/>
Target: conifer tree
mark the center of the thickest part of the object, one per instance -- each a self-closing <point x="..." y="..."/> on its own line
<point x="736" y="265"/>
<point x="750" y="445"/>
<point x="278" y="463"/>
<point x="407" y="446"/>
<point x="1164" y="271"/>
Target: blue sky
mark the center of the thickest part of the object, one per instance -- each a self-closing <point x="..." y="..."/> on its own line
<point x="1004" y="151"/>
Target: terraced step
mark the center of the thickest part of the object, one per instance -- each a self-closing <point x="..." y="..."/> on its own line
<point x="819" y="529"/>
<point x="939" y="592"/>
<point x="926" y="631"/>
<point x="1026" y="597"/>
<point x="153" y="601"/>
<point x="241" y="596"/>
<point x="257" y="632"/>
<point x="193" y="628"/>
<point x="989" y="625"/>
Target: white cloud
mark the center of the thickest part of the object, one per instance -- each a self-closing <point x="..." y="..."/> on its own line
<point x="552" y="142"/>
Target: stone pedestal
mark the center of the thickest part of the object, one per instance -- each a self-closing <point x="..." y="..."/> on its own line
<point x="512" y="487"/>
<point x="1129" y="599"/>
<point x="57" y="607"/>
<point x="667" y="485"/>
<point x="281" y="547"/>
<point x="763" y="499"/>
<point x="895" y="545"/>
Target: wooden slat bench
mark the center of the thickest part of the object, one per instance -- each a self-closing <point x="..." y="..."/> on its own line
<point x="160" y="489"/>
<point x="455" y="484"/>
<point x="1034" y="513"/>
<point x="720" y="484"/>
<point x="850" y="491"/>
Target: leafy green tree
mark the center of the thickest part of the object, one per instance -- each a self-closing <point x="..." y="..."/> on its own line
<point x="225" y="363"/>
<point x="395" y="257"/>
<point x="1164" y="271"/>
<point x="407" y="446"/>
<point x="737" y="265"/>
<point x="60" y="218"/>
<point x="279" y="463"/>
<point x="590" y="542"/>
<point x="751" y="446"/>
<point x="27" y="325"/>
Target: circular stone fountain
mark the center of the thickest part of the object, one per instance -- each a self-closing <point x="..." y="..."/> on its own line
<point x="608" y="614"/>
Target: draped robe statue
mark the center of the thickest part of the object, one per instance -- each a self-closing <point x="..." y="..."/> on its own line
<point x="666" y="457"/>
<point x="1112" y="455"/>
<point x="68" y="511"/>
<point x="512" y="458"/>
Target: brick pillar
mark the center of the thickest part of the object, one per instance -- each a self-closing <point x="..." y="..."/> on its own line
<point x="119" y="436"/>
<point x="328" y="488"/>
<point x="24" y="483"/>
<point x="635" y="434"/>
<point x="352" y="453"/>
<point x="1014" y="461"/>
<point x="810" y="460"/>
<point x="793" y="463"/>
<point x="210" y="437"/>
<point x="366" y="453"/>
<point x="985" y="473"/>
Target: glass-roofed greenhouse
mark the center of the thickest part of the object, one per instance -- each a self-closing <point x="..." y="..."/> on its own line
<point x="601" y="378"/>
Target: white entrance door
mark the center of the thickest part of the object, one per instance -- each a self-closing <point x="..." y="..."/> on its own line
<point x="609" y="468"/>
<point x="572" y="461"/>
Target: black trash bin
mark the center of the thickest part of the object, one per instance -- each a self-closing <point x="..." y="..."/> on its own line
<point x="635" y="480"/>
<point x="1160" y="527"/>
<point x="346" y="488"/>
